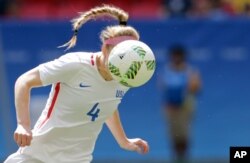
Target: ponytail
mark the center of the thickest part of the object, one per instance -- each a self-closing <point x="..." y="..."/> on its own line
<point x="94" y="13"/>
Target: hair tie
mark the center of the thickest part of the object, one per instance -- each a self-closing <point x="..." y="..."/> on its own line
<point x="123" y="23"/>
<point x="75" y="32"/>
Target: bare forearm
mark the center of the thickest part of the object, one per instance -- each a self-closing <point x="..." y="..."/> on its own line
<point x="23" y="86"/>
<point x="115" y="126"/>
<point x="24" y="83"/>
<point x="22" y="99"/>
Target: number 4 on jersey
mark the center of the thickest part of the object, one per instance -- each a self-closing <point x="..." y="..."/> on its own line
<point x="94" y="112"/>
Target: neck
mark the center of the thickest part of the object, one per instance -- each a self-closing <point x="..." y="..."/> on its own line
<point x="102" y="67"/>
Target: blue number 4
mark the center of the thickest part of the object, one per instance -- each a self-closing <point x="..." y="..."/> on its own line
<point x="94" y="112"/>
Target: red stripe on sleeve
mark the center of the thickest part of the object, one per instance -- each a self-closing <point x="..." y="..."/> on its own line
<point x="57" y="89"/>
<point x="92" y="60"/>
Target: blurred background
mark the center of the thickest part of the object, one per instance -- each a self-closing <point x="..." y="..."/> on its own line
<point x="215" y="34"/>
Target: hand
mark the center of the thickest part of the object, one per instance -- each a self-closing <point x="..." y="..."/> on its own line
<point x="137" y="145"/>
<point x="23" y="135"/>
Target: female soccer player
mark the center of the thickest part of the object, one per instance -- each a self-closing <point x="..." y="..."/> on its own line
<point x="83" y="96"/>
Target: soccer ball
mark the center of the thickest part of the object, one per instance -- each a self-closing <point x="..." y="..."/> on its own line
<point x="131" y="63"/>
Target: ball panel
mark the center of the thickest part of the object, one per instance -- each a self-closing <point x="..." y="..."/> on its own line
<point x="114" y="70"/>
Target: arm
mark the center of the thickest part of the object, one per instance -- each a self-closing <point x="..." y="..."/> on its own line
<point x="23" y="86"/>
<point x="115" y="126"/>
<point x="58" y="70"/>
<point x="194" y="83"/>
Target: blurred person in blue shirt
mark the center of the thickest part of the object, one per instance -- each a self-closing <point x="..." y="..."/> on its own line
<point x="180" y="83"/>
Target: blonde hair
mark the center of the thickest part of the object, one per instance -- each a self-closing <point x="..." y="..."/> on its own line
<point x="108" y="32"/>
<point x="114" y="31"/>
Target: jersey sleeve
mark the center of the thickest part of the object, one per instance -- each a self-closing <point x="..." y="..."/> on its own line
<point x="62" y="69"/>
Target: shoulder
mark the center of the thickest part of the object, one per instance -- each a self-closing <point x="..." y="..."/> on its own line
<point x="67" y="62"/>
<point x="74" y="56"/>
<point x="80" y="57"/>
<point x="77" y="59"/>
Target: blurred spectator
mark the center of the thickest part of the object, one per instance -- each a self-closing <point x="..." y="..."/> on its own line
<point x="3" y="6"/>
<point x="240" y="5"/>
<point x="220" y="9"/>
<point x="212" y="9"/>
<point x="140" y="9"/>
<point x="177" y="8"/>
<point x="228" y="7"/>
<point x="8" y="8"/>
<point x="246" y="11"/>
<point x="200" y="8"/>
<point x="179" y="84"/>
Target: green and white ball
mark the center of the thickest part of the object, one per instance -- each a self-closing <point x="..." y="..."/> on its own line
<point x="132" y="63"/>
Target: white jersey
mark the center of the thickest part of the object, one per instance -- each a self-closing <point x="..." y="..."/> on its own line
<point x="79" y="103"/>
